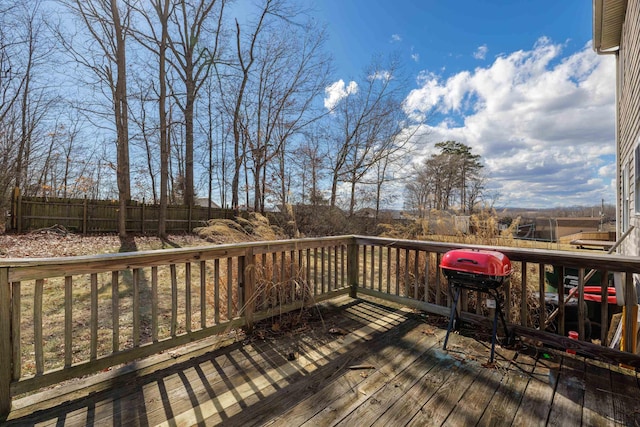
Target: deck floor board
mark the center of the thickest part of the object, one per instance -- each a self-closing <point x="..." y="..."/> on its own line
<point x="501" y="409"/>
<point x="354" y="362"/>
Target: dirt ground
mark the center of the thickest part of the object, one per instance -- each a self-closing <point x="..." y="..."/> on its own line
<point x="56" y="241"/>
<point x="50" y="244"/>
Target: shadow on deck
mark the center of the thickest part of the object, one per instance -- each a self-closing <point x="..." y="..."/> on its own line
<point x="350" y="362"/>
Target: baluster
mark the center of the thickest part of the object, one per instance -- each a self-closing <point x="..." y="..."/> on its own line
<point x="68" y="321"/>
<point x="154" y="303"/>
<point x="216" y="291"/>
<point x="174" y="300"/>
<point x="524" y="308"/>
<point x="94" y="316"/>
<point x="187" y="295"/>
<point x="203" y="294"/>
<point x="230" y="313"/>
<point x="115" y="313"/>
<point x="37" y="326"/>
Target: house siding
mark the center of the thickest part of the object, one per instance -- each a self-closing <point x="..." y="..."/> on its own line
<point x="629" y="118"/>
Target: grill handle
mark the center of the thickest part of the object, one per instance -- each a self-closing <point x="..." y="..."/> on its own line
<point x="472" y="261"/>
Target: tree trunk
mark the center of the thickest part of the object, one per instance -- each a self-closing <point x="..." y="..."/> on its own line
<point x="164" y="129"/>
<point x="122" y="122"/>
<point x="189" y="190"/>
<point x="334" y="189"/>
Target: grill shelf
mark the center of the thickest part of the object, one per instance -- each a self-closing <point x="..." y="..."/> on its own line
<point x="477" y="270"/>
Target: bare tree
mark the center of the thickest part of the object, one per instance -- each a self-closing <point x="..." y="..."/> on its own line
<point x="157" y="41"/>
<point x="192" y="60"/>
<point x="25" y="100"/>
<point x="310" y="162"/>
<point x="107" y="23"/>
<point x="66" y="166"/>
<point x="26" y="124"/>
<point x="382" y="175"/>
<point x="245" y="59"/>
<point x="367" y="125"/>
<point x="68" y="150"/>
<point x="234" y="75"/>
<point x="419" y="193"/>
<point x="147" y="136"/>
<point x="212" y="125"/>
<point x="11" y="79"/>
<point x="291" y="73"/>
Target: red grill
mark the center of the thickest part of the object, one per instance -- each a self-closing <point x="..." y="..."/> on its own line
<point x="479" y="270"/>
<point x="476" y="269"/>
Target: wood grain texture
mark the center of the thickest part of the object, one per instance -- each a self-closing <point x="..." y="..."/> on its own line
<point x="409" y="380"/>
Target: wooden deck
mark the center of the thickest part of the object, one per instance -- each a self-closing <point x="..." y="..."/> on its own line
<point x="353" y="362"/>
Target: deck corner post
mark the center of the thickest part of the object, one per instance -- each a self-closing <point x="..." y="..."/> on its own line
<point x="5" y="344"/>
<point x="352" y="268"/>
<point x="248" y="288"/>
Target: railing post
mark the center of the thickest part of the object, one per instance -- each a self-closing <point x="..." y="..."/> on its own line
<point x="352" y="268"/>
<point x="631" y="313"/>
<point x="248" y="287"/>
<point x="5" y="344"/>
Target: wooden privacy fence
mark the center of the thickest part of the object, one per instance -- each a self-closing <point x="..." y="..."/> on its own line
<point x="62" y="318"/>
<point x="101" y="216"/>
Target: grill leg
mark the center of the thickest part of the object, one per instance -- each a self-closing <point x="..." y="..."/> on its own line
<point x="507" y="333"/>
<point x="495" y="330"/>
<point x="498" y="311"/>
<point x="451" y="316"/>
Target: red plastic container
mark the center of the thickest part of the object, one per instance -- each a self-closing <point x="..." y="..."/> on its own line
<point x="476" y="268"/>
<point x="592" y="293"/>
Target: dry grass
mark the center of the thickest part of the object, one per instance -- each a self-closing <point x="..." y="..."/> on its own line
<point x="53" y="311"/>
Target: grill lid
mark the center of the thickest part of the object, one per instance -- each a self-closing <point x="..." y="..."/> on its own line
<point x="480" y="262"/>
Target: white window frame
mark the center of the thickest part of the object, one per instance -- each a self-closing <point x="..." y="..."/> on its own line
<point x="626" y="208"/>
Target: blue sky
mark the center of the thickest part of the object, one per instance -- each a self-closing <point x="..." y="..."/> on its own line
<point x="515" y="80"/>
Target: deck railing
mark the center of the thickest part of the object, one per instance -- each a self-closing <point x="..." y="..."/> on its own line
<point x="62" y="318"/>
<point x="409" y="272"/>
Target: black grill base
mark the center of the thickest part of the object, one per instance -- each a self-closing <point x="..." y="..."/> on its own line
<point x="454" y="318"/>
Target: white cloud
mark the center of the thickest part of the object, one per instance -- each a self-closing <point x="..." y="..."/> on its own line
<point x="607" y="170"/>
<point x="542" y="122"/>
<point x="481" y="52"/>
<point x="415" y="57"/>
<point x="336" y="91"/>
<point x="380" y="75"/>
<point x="395" y="38"/>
